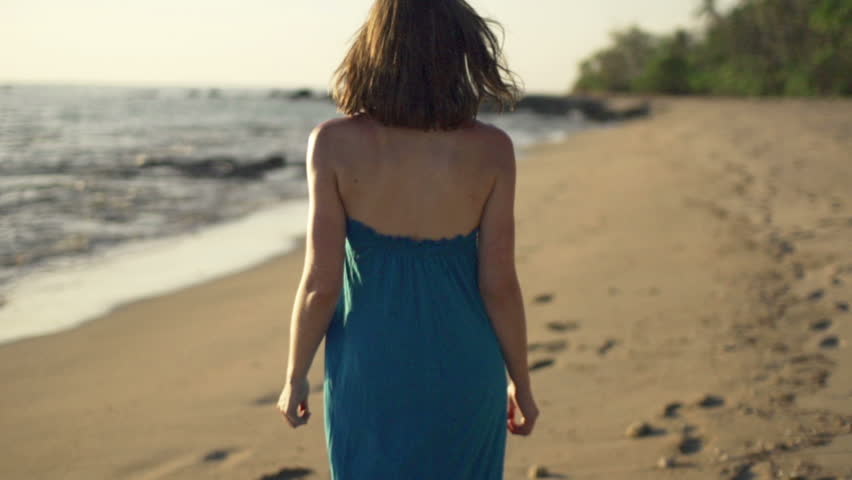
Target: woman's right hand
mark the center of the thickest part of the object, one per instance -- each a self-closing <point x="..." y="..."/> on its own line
<point x="293" y="402"/>
<point x="521" y="402"/>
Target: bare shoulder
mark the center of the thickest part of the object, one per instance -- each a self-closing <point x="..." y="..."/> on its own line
<point x="491" y="133"/>
<point x="495" y="143"/>
<point x="340" y="129"/>
<point x="349" y="125"/>
<point x="332" y="139"/>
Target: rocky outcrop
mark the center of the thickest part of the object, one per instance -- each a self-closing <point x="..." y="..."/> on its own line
<point x="301" y="94"/>
<point x="218" y="167"/>
<point x="592" y="108"/>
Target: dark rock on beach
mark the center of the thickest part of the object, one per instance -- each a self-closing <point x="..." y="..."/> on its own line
<point x="301" y="94"/>
<point x="218" y="167"/>
<point x="592" y="108"/>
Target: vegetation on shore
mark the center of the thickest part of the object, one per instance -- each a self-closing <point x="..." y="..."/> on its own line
<point x="758" y="47"/>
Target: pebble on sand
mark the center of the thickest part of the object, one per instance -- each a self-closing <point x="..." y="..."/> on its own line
<point x="639" y="429"/>
<point x="665" y="462"/>
<point x="538" y="471"/>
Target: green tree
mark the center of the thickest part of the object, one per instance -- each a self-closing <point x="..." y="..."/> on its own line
<point x="616" y="68"/>
<point x="708" y="10"/>
<point x="669" y="69"/>
<point x="758" y="47"/>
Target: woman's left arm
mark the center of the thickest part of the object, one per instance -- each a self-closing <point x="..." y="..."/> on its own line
<point x="322" y="275"/>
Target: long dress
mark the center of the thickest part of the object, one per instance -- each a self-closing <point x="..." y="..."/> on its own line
<point x="415" y="380"/>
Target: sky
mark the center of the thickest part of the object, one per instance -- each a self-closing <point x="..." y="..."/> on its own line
<point x="283" y="43"/>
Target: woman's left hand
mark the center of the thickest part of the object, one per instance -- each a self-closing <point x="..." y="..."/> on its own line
<point x="293" y="402"/>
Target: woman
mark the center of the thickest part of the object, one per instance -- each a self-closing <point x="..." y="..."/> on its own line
<point x="409" y="269"/>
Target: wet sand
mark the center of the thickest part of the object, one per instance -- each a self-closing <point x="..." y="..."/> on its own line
<point x="687" y="279"/>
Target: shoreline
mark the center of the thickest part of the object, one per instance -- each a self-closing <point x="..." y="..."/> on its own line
<point x="677" y="271"/>
<point x="73" y="294"/>
<point x="194" y="170"/>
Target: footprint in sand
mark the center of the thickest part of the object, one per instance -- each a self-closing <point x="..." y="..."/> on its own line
<point x="783" y="399"/>
<point x="842" y="306"/>
<point x="816" y="294"/>
<point x="542" y="363"/>
<point x="642" y="430"/>
<point x="831" y="341"/>
<point x="781" y="248"/>
<point x="671" y="409"/>
<point x="288" y="474"/>
<point x="217" y="455"/>
<point x="562" y="326"/>
<point x="690" y="445"/>
<point x="226" y="457"/>
<point x="157" y="469"/>
<point x="268" y="399"/>
<point x="741" y="471"/>
<point x="543" y="298"/>
<point x="821" y="325"/>
<point x="223" y="458"/>
<point x="552" y="346"/>
<point x="710" y="401"/>
<point x="606" y="346"/>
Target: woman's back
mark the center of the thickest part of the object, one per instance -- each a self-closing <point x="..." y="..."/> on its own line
<point x="409" y="263"/>
<point x="423" y="184"/>
<point x="411" y="329"/>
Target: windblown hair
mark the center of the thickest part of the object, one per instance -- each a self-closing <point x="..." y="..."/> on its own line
<point x="426" y="64"/>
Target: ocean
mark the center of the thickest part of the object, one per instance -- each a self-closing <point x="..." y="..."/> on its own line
<point x="111" y="194"/>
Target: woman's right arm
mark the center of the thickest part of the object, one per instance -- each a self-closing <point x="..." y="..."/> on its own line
<point x="499" y="285"/>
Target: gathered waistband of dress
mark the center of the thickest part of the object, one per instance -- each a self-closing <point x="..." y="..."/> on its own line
<point x="361" y="234"/>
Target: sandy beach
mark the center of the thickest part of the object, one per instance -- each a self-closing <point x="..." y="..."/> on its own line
<point x="688" y="289"/>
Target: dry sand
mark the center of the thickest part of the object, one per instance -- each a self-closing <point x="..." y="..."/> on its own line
<point x="692" y="271"/>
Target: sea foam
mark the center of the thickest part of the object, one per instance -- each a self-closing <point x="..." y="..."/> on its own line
<point x="52" y="301"/>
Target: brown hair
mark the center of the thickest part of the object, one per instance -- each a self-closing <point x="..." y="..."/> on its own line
<point x="425" y="64"/>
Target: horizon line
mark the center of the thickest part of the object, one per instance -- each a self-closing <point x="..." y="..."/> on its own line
<point x="205" y="85"/>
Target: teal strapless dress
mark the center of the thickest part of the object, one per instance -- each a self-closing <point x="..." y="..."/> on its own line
<point x="415" y="380"/>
